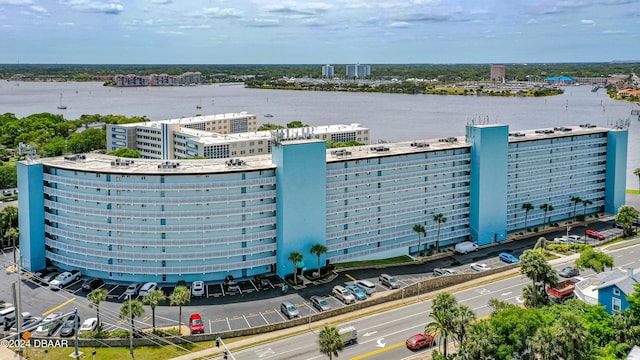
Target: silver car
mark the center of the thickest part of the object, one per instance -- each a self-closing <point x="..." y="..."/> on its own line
<point x="319" y="303"/>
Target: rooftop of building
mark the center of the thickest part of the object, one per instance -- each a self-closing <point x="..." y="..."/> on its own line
<point x="105" y="163"/>
<point x="189" y="120"/>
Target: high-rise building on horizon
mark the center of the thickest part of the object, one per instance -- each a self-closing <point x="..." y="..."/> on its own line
<point x="358" y="71"/>
<point x="498" y="73"/>
<point x="327" y="71"/>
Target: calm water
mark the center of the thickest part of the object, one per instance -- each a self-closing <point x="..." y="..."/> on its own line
<point x="391" y="117"/>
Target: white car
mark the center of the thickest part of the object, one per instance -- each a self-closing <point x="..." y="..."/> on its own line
<point x="562" y="240"/>
<point x="480" y="267"/>
<point x="91" y="324"/>
<point x="147" y="288"/>
<point x="466" y="247"/>
<point x="197" y="289"/>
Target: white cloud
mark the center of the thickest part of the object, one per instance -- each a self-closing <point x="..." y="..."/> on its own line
<point x="110" y="8"/>
<point x="16" y="2"/>
<point x="161" y="2"/>
<point x="398" y="24"/>
<point x="587" y="22"/>
<point x="39" y="9"/>
<point x="222" y="13"/>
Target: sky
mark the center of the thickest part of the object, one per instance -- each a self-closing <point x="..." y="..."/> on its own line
<point x="318" y="32"/>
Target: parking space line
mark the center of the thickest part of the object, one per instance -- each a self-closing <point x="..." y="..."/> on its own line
<point x="263" y="318"/>
<point x="350" y="277"/>
<point x="280" y="313"/>
<point x="228" y="324"/>
<point x="58" y="307"/>
<point x="245" y="320"/>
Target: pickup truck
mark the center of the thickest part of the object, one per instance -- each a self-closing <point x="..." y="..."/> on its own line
<point x="562" y="292"/>
<point x="64" y="279"/>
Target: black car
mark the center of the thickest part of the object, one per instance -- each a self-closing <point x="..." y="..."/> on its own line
<point x="92" y="284"/>
<point x="230" y="284"/>
<point x="68" y="328"/>
<point x="262" y="282"/>
<point x="569" y="272"/>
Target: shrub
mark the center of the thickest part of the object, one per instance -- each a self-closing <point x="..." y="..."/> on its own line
<point x="119" y="334"/>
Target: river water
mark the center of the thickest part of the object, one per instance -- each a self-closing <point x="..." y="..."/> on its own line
<point x="391" y="117"/>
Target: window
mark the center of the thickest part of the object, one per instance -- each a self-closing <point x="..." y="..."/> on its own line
<point x="616" y="305"/>
<point x="616" y="292"/>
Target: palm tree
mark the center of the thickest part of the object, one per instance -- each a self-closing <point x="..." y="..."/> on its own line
<point x="575" y="200"/>
<point x="439" y="219"/>
<point x="295" y="257"/>
<point x="527" y="207"/>
<point x="131" y="309"/>
<point x="443" y="312"/>
<point x="330" y="341"/>
<point x="572" y="336"/>
<point x="535" y="267"/>
<point x="546" y="208"/>
<point x="318" y="249"/>
<point x="585" y="203"/>
<point x="419" y="229"/>
<point x="179" y="297"/>
<point x="153" y="299"/>
<point x="463" y="317"/>
<point x="95" y="298"/>
<point x="11" y="235"/>
<point x="636" y="172"/>
<point x="545" y="345"/>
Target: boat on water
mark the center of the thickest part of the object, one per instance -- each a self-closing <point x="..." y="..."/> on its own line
<point x="268" y="115"/>
<point x="61" y="106"/>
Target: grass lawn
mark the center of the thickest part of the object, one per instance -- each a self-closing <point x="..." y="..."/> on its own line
<point x="631" y="191"/>
<point x="389" y="261"/>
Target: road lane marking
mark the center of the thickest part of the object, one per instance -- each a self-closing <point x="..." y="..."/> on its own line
<point x="58" y="307"/>
<point x="379" y="351"/>
<point x="350" y="277"/>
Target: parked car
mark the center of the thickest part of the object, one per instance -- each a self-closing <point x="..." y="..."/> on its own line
<point x="231" y="285"/>
<point x="29" y="323"/>
<point x="50" y="324"/>
<point x="569" y="272"/>
<point x="466" y="247"/>
<point x="357" y="292"/>
<point x="508" y="258"/>
<point x="388" y="281"/>
<point x="289" y="310"/>
<point x="367" y="286"/>
<point x="64" y="279"/>
<point x="575" y="238"/>
<point x="132" y="289"/>
<point x="68" y="327"/>
<point x="479" y="267"/>
<point x="195" y="324"/>
<point x="420" y="341"/>
<point x="343" y="295"/>
<point x="147" y="288"/>
<point x="262" y="282"/>
<point x="442" y="271"/>
<point x="319" y="303"/>
<point x="41" y="274"/>
<point x="594" y="234"/>
<point x="46" y="279"/>
<point x="562" y="239"/>
<point x="92" y="284"/>
<point x="197" y="289"/>
<point x="91" y="324"/>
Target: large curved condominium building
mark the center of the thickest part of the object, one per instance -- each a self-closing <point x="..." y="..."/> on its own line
<point x="159" y="220"/>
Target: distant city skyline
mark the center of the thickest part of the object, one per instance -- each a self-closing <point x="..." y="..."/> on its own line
<point x="319" y="32"/>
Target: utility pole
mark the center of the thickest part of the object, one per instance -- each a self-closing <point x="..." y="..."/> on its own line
<point x="76" y="353"/>
<point x="131" y="331"/>
<point x="226" y="352"/>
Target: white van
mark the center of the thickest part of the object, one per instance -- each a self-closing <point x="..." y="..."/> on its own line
<point x="8" y="314"/>
<point x="349" y="334"/>
<point x="367" y="286"/>
<point x="466" y="247"/>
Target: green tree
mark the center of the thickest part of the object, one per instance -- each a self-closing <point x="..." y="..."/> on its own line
<point x="419" y="229"/>
<point x="330" y="341"/>
<point x="545" y="345"/>
<point x="11" y="235"/>
<point x="153" y="299"/>
<point x="130" y="310"/>
<point x="535" y="267"/>
<point x="481" y="341"/>
<point x="443" y="325"/>
<point x="547" y="208"/>
<point x="527" y="207"/>
<point x="627" y="215"/>
<point x="626" y="326"/>
<point x="572" y="336"/>
<point x="585" y="203"/>
<point x="594" y="260"/>
<point x="636" y="172"/>
<point x="576" y="200"/>
<point x="439" y="218"/>
<point x="318" y="250"/>
<point x="463" y="316"/>
<point x="269" y="126"/>
<point x="8" y="176"/>
<point x="179" y="297"/>
<point x="125" y="153"/>
<point x="295" y="257"/>
<point x="296" y="124"/>
<point x="87" y="141"/>
<point x="95" y="298"/>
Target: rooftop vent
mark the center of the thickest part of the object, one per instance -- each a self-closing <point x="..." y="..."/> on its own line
<point x="419" y="144"/>
<point x="76" y="157"/>
<point x="379" y="148"/>
<point x="120" y="162"/>
<point x="234" y="162"/>
<point x="341" y="152"/>
<point x="168" y="165"/>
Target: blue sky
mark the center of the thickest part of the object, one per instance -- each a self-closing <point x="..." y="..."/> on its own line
<point x="318" y="32"/>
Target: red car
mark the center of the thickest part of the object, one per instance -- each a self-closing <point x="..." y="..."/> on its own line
<point x="419" y="341"/>
<point x="594" y="234"/>
<point x="195" y="324"/>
